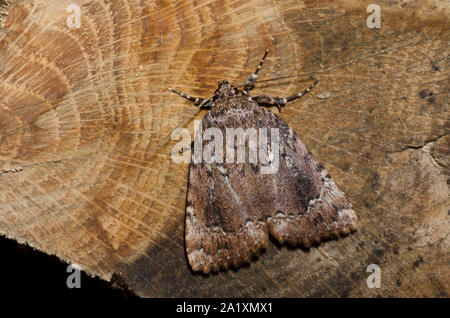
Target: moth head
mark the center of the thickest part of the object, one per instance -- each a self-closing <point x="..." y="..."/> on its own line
<point x="226" y="89"/>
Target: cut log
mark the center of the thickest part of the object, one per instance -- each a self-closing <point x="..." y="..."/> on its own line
<point x="86" y="118"/>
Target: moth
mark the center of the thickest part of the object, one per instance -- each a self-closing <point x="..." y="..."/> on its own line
<point x="232" y="207"/>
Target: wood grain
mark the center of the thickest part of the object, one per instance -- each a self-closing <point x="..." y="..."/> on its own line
<point x="85" y="123"/>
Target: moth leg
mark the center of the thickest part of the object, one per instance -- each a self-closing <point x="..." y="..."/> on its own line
<point x="196" y="100"/>
<point x="207" y="103"/>
<point x="265" y="100"/>
<point x="252" y="79"/>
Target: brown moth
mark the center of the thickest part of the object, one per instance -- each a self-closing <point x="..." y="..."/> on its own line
<point x="232" y="207"/>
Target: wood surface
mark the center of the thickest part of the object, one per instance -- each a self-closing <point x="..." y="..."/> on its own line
<point x="86" y="117"/>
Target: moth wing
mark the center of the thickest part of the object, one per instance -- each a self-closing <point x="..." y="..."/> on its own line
<point x="221" y="229"/>
<point x="309" y="206"/>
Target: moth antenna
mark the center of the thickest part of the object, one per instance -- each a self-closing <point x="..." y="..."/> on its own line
<point x="266" y="100"/>
<point x="253" y="77"/>
<point x="196" y="100"/>
<point x="282" y="77"/>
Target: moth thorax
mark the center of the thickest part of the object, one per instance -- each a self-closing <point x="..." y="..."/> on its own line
<point x="226" y="105"/>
